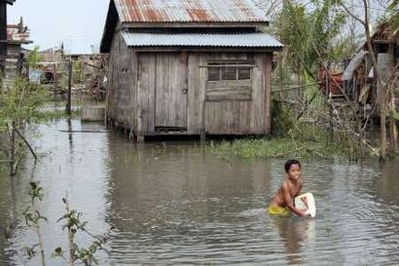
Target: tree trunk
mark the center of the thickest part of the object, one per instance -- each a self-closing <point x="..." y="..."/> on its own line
<point x="393" y="131"/>
<point x="383" y="125"/>
<point x="392" y="121"/>
<point x="12" y="149"/>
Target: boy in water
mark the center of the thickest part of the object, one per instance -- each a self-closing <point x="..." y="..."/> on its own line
<point x="282" y="203"/>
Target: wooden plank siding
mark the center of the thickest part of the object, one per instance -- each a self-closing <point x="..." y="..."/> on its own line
<point x="241" y="114"/>
<point x="145" y="91"/>
<point x="12" y="64"/>
<point x="171" y="90"/>
<point x="196" y="93"/>
<point x="267" y="85"/>
<point x="121" y="103"/>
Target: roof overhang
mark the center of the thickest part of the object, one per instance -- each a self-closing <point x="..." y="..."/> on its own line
<point x="10" y="2"/>
<point x="239" y="40"/>
<point x="171" y="25"/>
<point x="17" y="41"/>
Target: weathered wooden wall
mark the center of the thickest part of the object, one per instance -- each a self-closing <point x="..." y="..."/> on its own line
<point x="155" y="93"/>
<point x="174" y="92"/>
<point x="12" y="63"/>
<point x="146" y="94"/>
<point x="162" y="91"/>
<point x="122" y="96"/>
<point x="241" y="116"/>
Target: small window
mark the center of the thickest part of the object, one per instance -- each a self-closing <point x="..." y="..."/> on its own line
<point x="229" y="70"/>
<point x="229" y="73"/>
<point x="213" y="74"/>
<point x="244" y="73"/>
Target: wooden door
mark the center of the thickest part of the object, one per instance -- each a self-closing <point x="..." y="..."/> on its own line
<point x="171" y="91"/>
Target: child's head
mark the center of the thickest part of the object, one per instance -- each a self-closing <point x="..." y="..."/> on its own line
<point x="293" y="168"/>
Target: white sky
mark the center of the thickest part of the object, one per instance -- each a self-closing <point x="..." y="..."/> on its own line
<point x="51" y="21"/>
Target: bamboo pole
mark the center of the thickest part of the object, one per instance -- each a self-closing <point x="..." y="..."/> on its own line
<point x="69" y="97"/>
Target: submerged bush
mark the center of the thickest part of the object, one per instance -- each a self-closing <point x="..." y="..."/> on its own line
<point x="282" y="119"/>
<point x="281" y="147"/>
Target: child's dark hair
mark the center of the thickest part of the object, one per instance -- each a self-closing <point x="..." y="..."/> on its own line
<point x="288" y="164"/>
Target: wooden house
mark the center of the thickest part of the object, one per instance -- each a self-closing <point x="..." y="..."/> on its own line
<point x="385" y="43"/>
<point x="353" y="82"/>
<point x="188" y="67"/>
<point x="17" y="35"/>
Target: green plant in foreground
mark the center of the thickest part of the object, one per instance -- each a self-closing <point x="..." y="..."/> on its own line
<point x="18" y="106"/>
<point x="73" y="225"/>
<point x="33" y="219"/>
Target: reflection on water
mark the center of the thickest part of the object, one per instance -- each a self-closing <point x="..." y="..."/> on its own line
<point x="294" y="232"/>
<point x="175" y="204"/>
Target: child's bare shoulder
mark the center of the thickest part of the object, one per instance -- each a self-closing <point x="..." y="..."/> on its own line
<point x="286" y="184"/>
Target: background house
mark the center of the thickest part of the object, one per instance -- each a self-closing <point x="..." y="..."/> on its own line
<point x="185" y="67"/>
<point x="17" y="34"/>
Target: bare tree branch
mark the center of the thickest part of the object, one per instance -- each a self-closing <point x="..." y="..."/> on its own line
<point x="353" y="15"/>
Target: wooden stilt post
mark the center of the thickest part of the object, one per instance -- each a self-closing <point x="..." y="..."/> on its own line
<point x="3" y="36"/>
<point x="69" y="97"/>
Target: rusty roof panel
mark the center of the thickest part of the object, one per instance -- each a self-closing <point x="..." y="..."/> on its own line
<point x="256" y="40"/>
<point x="18" y="33"/>
<point x="191" y="10"/>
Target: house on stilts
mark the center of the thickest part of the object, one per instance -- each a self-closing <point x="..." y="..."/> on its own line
<point x="188" y="67"/>
<point x="354" y="82"/>
<point x="15" y="65"/>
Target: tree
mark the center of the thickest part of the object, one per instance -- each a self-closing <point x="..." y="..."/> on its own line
<point x="19" y="106"/>
<point x="307" y="33"/>
<point x="386" y="93"/>
<point x="310" y="32"/>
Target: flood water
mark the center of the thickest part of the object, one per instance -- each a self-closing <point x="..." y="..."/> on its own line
<point x="174" y="203"/>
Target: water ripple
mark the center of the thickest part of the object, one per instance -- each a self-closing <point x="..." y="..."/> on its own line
<point x="176" y="204"/>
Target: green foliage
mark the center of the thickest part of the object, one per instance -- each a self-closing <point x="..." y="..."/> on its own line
<point x="36" y="191"/>
<point x="393" y="14"/>
<point x="34" y="57"/>
<point x="283" y="147"/>
<point x="282" y="119"/>
<point x="307" y="33"/>
<point x="394" y="114"/>
<point x="73" y="224"/>
<point x="33" y="220"/>
<point x="21" y="102"/>
<point x="314" y="99"/>
<point x="31" y="251"/>
<point x="77" y="75"/>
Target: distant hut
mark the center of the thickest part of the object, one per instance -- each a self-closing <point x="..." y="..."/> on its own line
<point x="355" y="80"/>
<point x="17" y="35"/>
<point x="81" y="52"/>
<point x="188" y="67"/>
<point x="385" y="42"/>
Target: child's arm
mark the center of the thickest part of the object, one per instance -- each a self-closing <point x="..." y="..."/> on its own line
<point x="299" y="189"/>
<point x="289" y="201"/>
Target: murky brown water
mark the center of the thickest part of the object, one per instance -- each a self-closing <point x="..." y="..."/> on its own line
<point x="175" y="204"/>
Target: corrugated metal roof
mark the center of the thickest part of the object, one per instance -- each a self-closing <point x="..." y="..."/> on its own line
<point x="261" y="40"/>
<point x="191" y="10"/>
<point x="354" y="63"/>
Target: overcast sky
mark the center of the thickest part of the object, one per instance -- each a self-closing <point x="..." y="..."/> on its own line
<point x="52" y="21"/>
